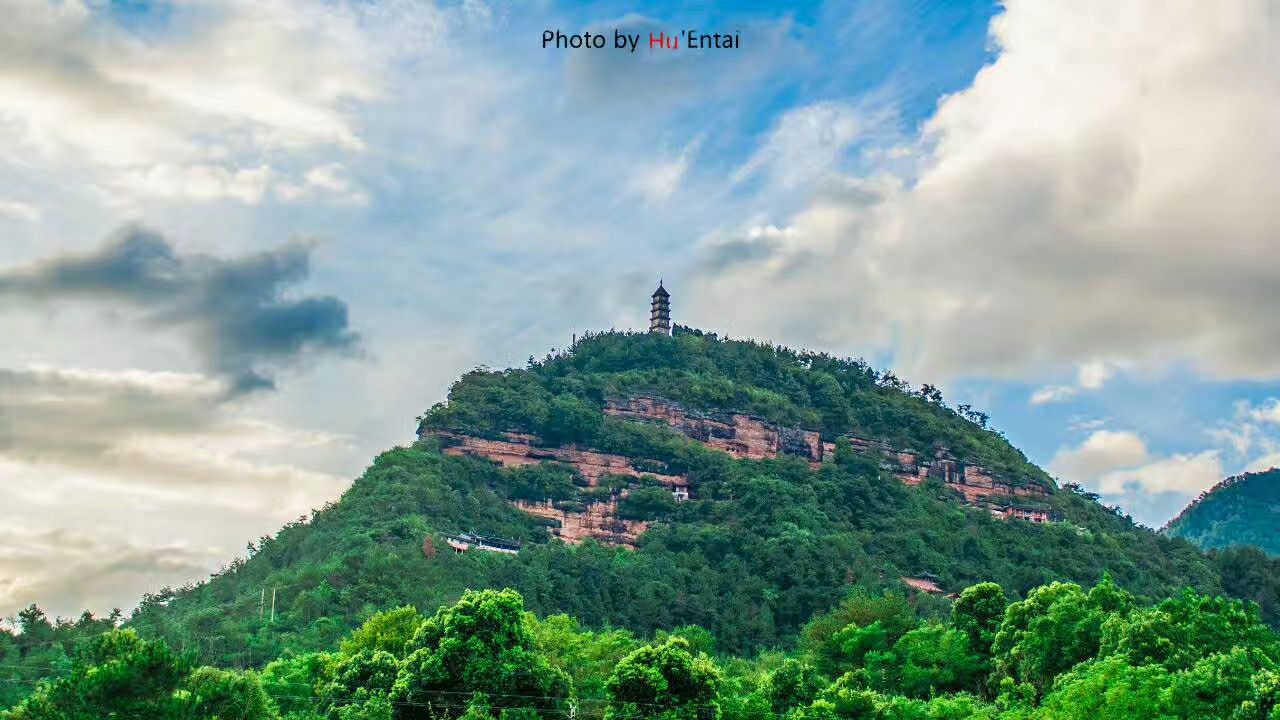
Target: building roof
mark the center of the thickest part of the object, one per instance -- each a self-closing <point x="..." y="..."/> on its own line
<point x="922" y="584"/>
<point x="661" y="291"/>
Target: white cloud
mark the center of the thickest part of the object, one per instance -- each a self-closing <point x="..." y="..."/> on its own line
<point x="1093" y="375"/>
<point x="1099" y="191"/>
<point x="1267" y="412"/>
<point x="97" y="450"/>
<point x="1082" y="424"/>
<point x="1264" y="462"/>
<point x="809" y="142"/>
<point x="656" y="181"/>
<point x="1180" y="473"/>
<point x="1053" y="394"/>
<point x="1102" y="452"/>
<point x="1090" y="376"/>
<point x="1119" y="466"/>
<point x="329" y="181"/>
<point x="193" y="113"/>
<point x="78" y="570"/>
<point x="19" y="210"/>
<point x="196" y="182"/>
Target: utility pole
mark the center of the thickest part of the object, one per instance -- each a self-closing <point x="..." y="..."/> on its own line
<point x="273" y="607"/>
<point x="262" y="605"/>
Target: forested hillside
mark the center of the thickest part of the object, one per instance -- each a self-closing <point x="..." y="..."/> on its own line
<point x="762" y="547"/>
<point x="1241" y="510"/>
<point x="759" y="549"/>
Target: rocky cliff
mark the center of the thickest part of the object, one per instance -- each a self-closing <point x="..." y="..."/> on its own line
<point x="740" y="435"/>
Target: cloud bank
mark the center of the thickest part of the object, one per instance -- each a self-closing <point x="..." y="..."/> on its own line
<point x="234" y="310"/>
<point x="116" y="481"/>
<point x="1103" y="192"/>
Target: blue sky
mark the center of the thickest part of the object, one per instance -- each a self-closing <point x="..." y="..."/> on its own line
<point x="305" y="219"/>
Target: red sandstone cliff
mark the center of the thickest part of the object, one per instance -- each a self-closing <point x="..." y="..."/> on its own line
<point x="738" y="434"/>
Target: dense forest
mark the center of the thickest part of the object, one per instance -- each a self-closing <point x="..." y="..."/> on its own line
<point x="1063" y="652"/>
<point x="1241" y="510"/>
<point x="769" y="568"/>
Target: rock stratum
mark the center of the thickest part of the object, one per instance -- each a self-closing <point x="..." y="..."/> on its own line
<point x="740" y="435"/>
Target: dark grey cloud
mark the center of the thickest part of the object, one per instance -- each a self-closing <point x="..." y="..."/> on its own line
<point x="242" y="323"/>
<point x="66" y="572"/>
<point x="720" y="257"/>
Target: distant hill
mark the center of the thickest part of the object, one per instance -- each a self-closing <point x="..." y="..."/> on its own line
<point x="1241" y="510"/>
<point x="655" y="481"/>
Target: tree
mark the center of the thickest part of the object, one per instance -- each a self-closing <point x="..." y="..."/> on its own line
<point x="977" y="613"/>
<point x="116" y="674"/>
<point x="480" y="644"/>
<point x="1057" y="626"/>
<point x="793" y="684"/>
<point x="295" y="681"/>
<point x="1232" y="684"/>
<point x="223" y="694"/>
<point x="664" y="681"/>
<point x="1110" y="689"/>
<point x="931" y="659"/>
<point x="1184" y="629"/>
<point x="359" y="679"/>
<point x="389" y="631"/>
<point x="588" y="657"/>
<point x="863" y="622"/>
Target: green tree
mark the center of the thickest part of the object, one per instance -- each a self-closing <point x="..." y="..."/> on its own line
<point x="933" y="658"/>
<point x="664" y="681"/>
<point x="977" y="613"/>
<point x="295" y="681"/>
<point x="1183" y="629"/>
<point x="213" y="694"/>
<point x="1110" y="689"/>
<point x="1222" y="685"/>
<point x="861" y="623"/>
<point x="358" y="679"/>
<point x="115" y="675"/>
<point x="389" y="631"/>
<point x="481" y="644"/>
<point x="793" y="684"/>
<point x="1056" y="627"/>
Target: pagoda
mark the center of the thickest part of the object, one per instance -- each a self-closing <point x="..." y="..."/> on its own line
<point x="660" y="311"/>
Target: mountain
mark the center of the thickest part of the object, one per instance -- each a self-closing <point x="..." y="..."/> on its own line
<point x="650" y="481"/>
<point x="1241" y="510"/>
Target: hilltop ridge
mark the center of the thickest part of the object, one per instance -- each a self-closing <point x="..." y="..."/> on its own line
<point x="580" y="408"/>
<point x="1240" y="510"/>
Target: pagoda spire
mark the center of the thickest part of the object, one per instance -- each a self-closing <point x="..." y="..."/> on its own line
<point x="660" y="311"/>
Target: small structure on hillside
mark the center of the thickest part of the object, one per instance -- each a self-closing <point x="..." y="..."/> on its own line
<point x="1034" y="515"/>
<point x="927" y="582"/>
<point x="463" y="542"/>
<point x="660" y="311"/>
<point x="680" y="492"/>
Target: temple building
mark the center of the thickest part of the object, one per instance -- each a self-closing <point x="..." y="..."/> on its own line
<point x="660" y="311"/>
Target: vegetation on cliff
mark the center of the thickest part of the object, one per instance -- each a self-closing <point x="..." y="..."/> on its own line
<point x="1241" y="510"/>
<point x="560" y="398"/>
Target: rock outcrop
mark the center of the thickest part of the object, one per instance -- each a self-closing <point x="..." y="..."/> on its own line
<point x="598" y="521"/>
<point x="753" y="438"/>
<point x="741" y="436"/>
<point x="518" y="449"/>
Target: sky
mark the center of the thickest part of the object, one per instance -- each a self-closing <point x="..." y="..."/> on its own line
<point x="244" y="244"/>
